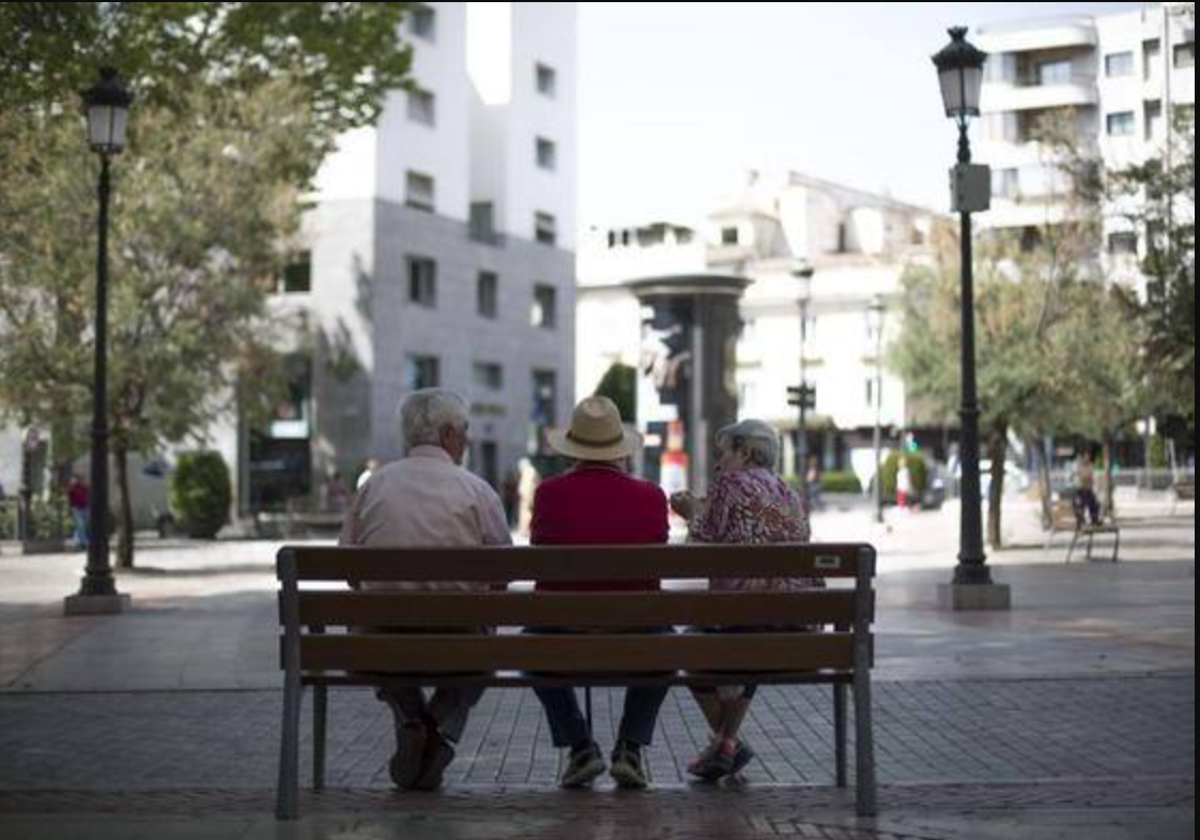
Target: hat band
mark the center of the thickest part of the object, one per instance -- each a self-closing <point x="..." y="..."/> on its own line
<point x="597" y="444"/>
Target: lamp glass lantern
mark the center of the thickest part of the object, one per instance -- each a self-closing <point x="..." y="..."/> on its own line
<point x="107" y="104"/>
<point x="960" y="72"/>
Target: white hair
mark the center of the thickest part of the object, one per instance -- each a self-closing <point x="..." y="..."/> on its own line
<point x="757" y="439"/>
<point x="424" y="414"/>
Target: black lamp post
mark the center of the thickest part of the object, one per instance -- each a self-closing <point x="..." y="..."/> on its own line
<point x="107" y="105"/>
<point x="960" y="71"/>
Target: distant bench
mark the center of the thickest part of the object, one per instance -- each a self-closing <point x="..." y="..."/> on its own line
<point x="1069" y="516"/>
<point x="333" y="638"/>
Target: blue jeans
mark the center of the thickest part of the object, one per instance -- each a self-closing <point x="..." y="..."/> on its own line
<point x="80" y="515"/>
<point x="568" y="725"/>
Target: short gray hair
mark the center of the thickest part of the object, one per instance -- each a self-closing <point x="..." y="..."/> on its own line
<point x="425" y="413"/>
<point x="757" y="439"/>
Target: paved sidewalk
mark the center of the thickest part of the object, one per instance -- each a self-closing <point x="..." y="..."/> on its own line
<point x="1071" y="716"/>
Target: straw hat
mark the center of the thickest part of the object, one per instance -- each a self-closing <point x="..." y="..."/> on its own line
<point x="596" y="433"/>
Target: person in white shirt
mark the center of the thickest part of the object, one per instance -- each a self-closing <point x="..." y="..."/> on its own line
<point x="427" y="499"/>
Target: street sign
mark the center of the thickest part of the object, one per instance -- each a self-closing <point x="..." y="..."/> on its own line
<point x="802" y="395"/>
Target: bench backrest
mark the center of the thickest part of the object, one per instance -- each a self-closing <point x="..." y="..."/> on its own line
<point x="329" y="627"/>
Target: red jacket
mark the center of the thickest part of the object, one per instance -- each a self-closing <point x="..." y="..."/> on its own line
<point x="599" y="505"/>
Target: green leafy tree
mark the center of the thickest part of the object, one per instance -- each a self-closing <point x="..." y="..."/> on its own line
<point x="237" y="103"/>
<point x="1019" y="306"/>
<point x="619" y="384"/>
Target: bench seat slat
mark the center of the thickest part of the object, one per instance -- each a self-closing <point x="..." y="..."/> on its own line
<point x="574" y="563"/>
<point x="585" y="653"/>
<point x="590" y="609"/>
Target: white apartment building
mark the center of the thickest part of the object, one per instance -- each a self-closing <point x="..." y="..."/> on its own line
<point x="439" y="251"/>
<point x="1118" y="76"/>
<point x="858" y="245"/>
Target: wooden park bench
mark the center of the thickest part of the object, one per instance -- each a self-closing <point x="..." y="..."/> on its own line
<point x="1068" y="516"/>
<point x="332" y="637"/>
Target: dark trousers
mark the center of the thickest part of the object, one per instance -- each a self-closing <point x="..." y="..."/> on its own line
<point x="568" y="726"/>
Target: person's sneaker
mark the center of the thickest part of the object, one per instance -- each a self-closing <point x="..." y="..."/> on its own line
<point x="439" y="752"/>
<point x="585" y="764"/>
<point x="406" y="765"/>
<point x="627" y="770"/>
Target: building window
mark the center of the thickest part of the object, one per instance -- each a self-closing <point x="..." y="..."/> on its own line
<point x="1153" y="118"/>
<point x="489" y="375"/>
<point x="1031" y="239"/>
<point x="1120" y="124"/>
<point x="422" y="282"/>
<point x="1054" y="73"/>
<point x="544" y="313"/>
<point x="424" y="22"/>
<point x="729" y="236"/>
<point x="870" y="393"/>
<point x="545" y="228"/>
<point x="1005" y="184"/>
<point x="1119" y="64"/>
<point x="547" y="153"/>
<point x="297" y="275"/>
<point x="487" y="294"/>
<point x="421" y="107"/>
<point x="1185" y="54"/>
<point x="1151" y="57"/>
<point x="483" y="222"/>
<point x="545" y="398"/>
<point x="419" y="191"/>
<point x="1122" y="243"/>
<point x="546" y="79"/>
<point x="422" y="372"/>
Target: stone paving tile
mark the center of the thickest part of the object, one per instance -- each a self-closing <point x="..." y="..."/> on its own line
<point x="989" y="731"/>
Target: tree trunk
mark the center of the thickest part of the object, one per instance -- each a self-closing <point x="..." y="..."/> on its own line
<point x="1110" y="507"/>
<point x="997" y="448"/>
<point x="1038" y="447"/>
<point x="125" y="519"/>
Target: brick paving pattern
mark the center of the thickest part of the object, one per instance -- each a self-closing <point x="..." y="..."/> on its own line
<point x="928" y="732"/>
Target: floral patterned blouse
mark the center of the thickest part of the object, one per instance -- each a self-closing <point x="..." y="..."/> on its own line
<point x="753" y="506"/>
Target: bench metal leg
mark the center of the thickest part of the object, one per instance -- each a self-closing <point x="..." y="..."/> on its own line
<point x="287" y="797"/>
<point x="839" y="731"/>
<point x="320" y="696"/>
<point x="864" y="746"/>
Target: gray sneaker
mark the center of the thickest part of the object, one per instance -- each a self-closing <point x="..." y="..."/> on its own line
<point x="627" y="770"/>
<point x="585" y="765"/>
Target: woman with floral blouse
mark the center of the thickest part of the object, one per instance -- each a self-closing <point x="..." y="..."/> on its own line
<point x="748" y="503"/>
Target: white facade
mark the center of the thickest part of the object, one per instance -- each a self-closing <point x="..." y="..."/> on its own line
<point x="398" y="250"/>
<point x="858" y="245"/>
<point x="1120" y="76"/>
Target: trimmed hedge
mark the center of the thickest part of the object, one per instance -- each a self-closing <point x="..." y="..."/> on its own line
<point x="201" y="493"/>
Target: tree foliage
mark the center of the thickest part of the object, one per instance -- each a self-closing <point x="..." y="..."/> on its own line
<point x="236" y="105"/>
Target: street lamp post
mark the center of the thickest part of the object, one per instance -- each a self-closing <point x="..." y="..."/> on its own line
<point x="107" y="105"/>
<point x="960" y="72"/>
<point x="803" y="272"/>
<point x="876" y="314"/>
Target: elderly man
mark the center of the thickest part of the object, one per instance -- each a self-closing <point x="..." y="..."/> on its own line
<point x="427" y="499"/>
<point x="599" y="503"/>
